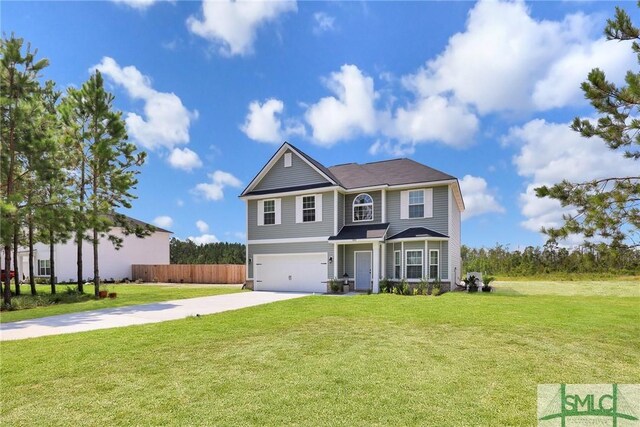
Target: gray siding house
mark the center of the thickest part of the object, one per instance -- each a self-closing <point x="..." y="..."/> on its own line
<point x="307" y="224"/>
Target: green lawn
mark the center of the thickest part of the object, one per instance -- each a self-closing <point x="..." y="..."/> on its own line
<point x="458" y="359"/>
<point x="128" y="294"/>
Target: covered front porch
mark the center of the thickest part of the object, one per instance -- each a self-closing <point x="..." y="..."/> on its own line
<point x="359" y="253"/>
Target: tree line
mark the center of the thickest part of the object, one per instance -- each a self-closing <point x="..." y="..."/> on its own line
<point x="187" y="252"/>
<point x="66" y="164"/>
<point x="551" y="258"/>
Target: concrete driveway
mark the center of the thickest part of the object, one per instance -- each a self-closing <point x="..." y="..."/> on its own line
<point x="137" y="314"/>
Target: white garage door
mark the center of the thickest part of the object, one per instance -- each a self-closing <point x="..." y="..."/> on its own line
<point x="291" y="272"/>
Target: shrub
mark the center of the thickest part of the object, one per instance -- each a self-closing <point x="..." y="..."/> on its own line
<point x="402" y="288"/>
<point x="385" y="286"/>
<point x="335" y="285"/>
<point x="421" y="287"/>
<point x="437" y="288"/>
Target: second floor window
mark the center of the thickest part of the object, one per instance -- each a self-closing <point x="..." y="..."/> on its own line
<point x="309" y="209"/>
<point x="362" y="208"/>
<point x="416" y="204"/>
<point x="269" y="212"/>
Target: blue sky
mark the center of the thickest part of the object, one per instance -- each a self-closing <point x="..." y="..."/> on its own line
<point x="483" y="91"/>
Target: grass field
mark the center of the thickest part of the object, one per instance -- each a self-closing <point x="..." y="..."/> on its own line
<point x="128" y="294"/>
<point x="458" y="359"/>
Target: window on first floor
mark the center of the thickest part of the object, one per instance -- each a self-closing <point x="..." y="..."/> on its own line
<point x="434" y="259"/>
<point x="397" y="265"/>
<point x="44" y="267"/>
<point x="414" y="264"/>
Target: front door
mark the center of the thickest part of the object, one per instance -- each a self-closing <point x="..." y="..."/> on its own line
<point x="363" y="270"/>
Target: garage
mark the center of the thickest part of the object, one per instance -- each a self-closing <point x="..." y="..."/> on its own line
<point x="291" y="272"/>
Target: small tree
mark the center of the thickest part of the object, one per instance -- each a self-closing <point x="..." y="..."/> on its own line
<point x="607" y="207"/>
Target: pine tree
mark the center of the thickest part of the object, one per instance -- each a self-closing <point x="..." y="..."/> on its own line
<point x="608" y="207"/>
<point x="19" y="87"/>
<point x="108" y="165"/>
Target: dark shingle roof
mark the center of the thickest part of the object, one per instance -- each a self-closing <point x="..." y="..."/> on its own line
<point x="137" y="222"/>
<point x="368" y="231"/>
<point x="416" y="232"/>
<point x="286" y="189"/>
<point x="390" y="172"/>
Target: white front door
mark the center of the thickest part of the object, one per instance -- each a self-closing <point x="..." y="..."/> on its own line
<point x="291" y="272"/>
<point x="363" y="270"/>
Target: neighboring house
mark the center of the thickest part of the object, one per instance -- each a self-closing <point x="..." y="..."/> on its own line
<point x="307" y="224"/>
<point x="113" y="264"/>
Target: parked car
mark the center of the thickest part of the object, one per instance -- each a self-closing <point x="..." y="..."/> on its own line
<point x="12" y="274"/>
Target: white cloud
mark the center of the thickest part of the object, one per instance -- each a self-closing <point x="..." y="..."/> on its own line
<point x="435" y="118"/>
<point x="203" y="227"/>
<point x="163" y="221"/>
<point x="349" y="113"/>
<point x="561" y="87"/>
<point x="478" y="198"/>
<point x="203" y="239"/>
<point x="551" y="152"/>
<point x="139" y="4"/>
<point x="167" y="120"/>
<point x="505" y="60"/>
<point x="323" y="22"/>
<point x="180" y="203"/>
<point x="263" y="123"/>
<point x="185" y="159"/>
<point x="232" y="25"/>
<point x="214" y="190"/>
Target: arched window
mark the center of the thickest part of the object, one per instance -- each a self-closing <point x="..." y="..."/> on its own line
<point x="362" y="208"/>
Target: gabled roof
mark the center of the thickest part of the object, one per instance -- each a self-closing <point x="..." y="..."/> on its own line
<point x="138" y="222"/>
<point x="284" y="147"/>
<point x="386" y="172"/>
<point x="395" y="172"/>
<point x="416" y="232"/>
<point x="357" y="232"/>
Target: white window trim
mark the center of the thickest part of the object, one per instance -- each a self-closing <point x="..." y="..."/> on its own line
<point x="437" y="265"/>
<point x="287" y="160"/>
<point x="409" y="204"/>
<point x="277" y="203"/>
<point x="406" y="263"/>
<point x="397" y="265"/>
<point x="40" y="268"/>
<point x="353" y="208"/>
<point x="300" y="210"/>
<point x="427" y="202"/>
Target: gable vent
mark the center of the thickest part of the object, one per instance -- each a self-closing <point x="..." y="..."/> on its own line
<point x="287" y="160"/>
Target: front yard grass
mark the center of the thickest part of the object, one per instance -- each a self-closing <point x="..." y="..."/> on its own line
<point x="128" y="294"/>
<point x="457" y="359"/>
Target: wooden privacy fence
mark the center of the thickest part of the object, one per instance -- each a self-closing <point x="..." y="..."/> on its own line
<point x="189" y="273"/>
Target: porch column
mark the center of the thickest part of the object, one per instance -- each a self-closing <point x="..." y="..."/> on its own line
<point x="383" y="268"/>
<point x="376" y="266"/>
<point x="335" y="261"/>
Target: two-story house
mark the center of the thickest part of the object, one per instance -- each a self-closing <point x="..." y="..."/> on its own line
<point x="307" y="224"/>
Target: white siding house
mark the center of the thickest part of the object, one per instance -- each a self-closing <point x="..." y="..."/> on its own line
<point x="114" y="264"/>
